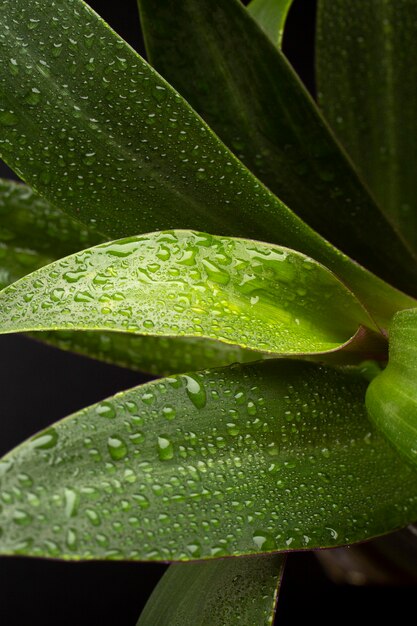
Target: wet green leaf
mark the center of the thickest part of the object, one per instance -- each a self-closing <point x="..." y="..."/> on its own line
<point x="271" y="16"/>
<point x="34" y="233"/>
<point x="96" y="131"/>
<point x="154" y="355"/>
<point x="246" y="459"/>
<point x="367" y="81"/>
<point x="391" y="399"/>
<point x="181" y="283"/>
<point x="224" y="591"/>
<point x="222" y="63"/>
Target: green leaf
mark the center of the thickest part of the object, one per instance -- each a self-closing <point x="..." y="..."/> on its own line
<point x="256" y="458"/>
<point x="181" y="283"/>
<point x="33" y="233"/>
<point x="224" y="591"/>
<point x="391" y="399"/>
<point x="155" y="355"/>
<point x="367" y="82"/>
<point x="96" y="131"/>
<point x="214" y="53"/>
<point x="271" y="16"/>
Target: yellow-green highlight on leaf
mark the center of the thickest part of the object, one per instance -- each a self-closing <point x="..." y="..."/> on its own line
<point x="121" y="172"/>
<point x="222" y="63"/>
<point x="240" y="460"/>
<point x="271" y="16"/>
<point x="391" y="399"/>
<point x="181" y="283"/>
<point x="33" y="234"/>
<point x="224" y="591"/>
<point x="367" y="82"/>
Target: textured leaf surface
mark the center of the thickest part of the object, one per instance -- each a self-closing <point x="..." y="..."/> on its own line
<point x="155" y="355"/>
<point x="94" y="129"/>
<point x="224" y="591"/>
<point x="222" y="63"/>
<point x="367" y="79"/>
<point x="33" y="233"/>
<point x="247" y="459"/>
<point x="181" y="283"/>
<point x="271" y="16"/>
<point x="391" y="399"/>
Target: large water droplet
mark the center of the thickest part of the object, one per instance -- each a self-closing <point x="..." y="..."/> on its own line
<point x="117" y="448"/>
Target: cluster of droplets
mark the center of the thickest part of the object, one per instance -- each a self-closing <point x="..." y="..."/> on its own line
<point x="188" y="284"/>
<point x="106" y="132"/>
<point x="205" y="465"/>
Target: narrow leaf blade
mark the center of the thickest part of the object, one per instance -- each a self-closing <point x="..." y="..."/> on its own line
<point x="222" y="63"/>
<point x="367" y="80"/>
<point x="33" y="234"/>
<point x="241" y="460"/>
<point x="224" y="591"/>
<point x="102" y="143"/>
<point x="391" y="399"/>
<point x="181" y="283"/>
<point x="271" y="16"/>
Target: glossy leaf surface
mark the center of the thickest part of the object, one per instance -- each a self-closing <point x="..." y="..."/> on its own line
<point x="391" y="399"/>
<point x="223" y="64"/>
<point x="33" y="233"/>
<point x="224" y="591"/>
<point x="367" y="79"/>
<point x="154" y="355"/>
<point x="181" y="283"/>
<point x="246" y="459"/>
<point x="93" y="128"/>
<point x="271" y="16"/>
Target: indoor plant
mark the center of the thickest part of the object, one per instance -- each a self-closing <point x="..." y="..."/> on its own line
<point x="277" y="305"/>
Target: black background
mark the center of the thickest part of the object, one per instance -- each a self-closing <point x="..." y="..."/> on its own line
<point x="40" y="385"/>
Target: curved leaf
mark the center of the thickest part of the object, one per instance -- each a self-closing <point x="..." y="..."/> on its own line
<point x="246" y="459"/>
<point x="224" y="591"/>
<point x="222" y="63"/>
<point x="34" y="233"/>
<point x="181" y="283"/>
<point x="97" y="132"/>
<point x="155" y="355"/>
<point x="271" y="16"/>
<point x="391" y="399"/>
<point x="367" y="82"/>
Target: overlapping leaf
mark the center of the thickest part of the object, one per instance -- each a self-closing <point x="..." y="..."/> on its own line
<point x="367" y="79"/>
<point x="246" y="459"/>
<point x="392" y="396"/>
<point x="271" y="16"/>
<point x="94" y="129"/>
<point x="33" y="233"/>
<point x="224" y="591"/>
<point x="222" y="63"/>
<point x="181" y="283"/>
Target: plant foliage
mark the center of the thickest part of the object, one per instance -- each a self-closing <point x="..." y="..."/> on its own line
<point x="311" y="254"/>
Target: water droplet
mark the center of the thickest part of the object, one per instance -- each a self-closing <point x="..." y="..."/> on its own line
<point x="117" y="448"/>
<point x="263" y="540"/>
<point x="45" y="440"/>
<point x="105" y="409"/>
<point x="165" y="448"/>
<point x="196" y="392"/>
